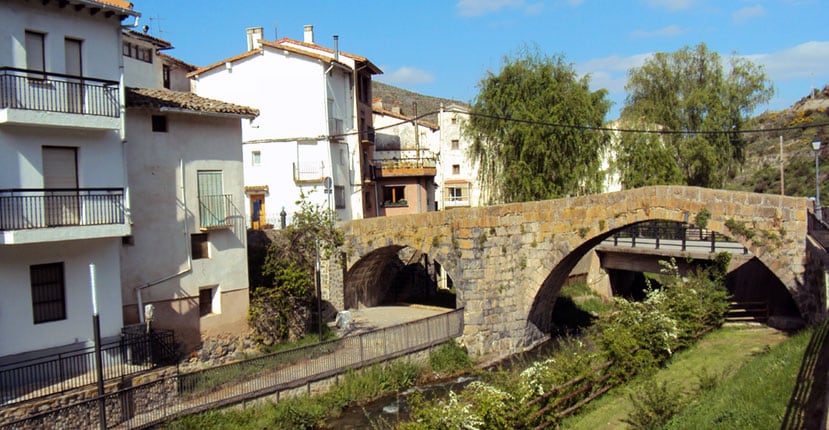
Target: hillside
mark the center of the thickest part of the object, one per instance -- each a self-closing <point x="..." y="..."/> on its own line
<point x="405" y="98"/>
<point x="761" y="171"/>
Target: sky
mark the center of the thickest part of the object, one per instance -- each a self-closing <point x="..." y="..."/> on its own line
<point x="444" y="48"/>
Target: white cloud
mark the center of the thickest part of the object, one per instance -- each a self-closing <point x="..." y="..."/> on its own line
<point x="672" y="5"/>
<point x="804" y="61"/>
<point x="747" y="13"/>
<point x="483" y="7"/>
<point x="669" y="31"/>
<point x="408" y="75"/>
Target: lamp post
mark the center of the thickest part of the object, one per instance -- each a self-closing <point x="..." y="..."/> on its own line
<point x="818" y="209"/>
<point x="96" y="332"/>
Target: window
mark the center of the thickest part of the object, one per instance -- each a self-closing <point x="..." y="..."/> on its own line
<point x="206" y="301"/>
<point x="159" y="123"/>
<point x="255" y="158"/>
<point x="456" y="169"/>
<point x="454" y="120"/>
<point x="455" y="144"/>
<point x="394" y="196"/>
<point x="126" y="49"/>
<point x="165" y="76"/>
<point x="339" y="196"/>
<point x="456" y="194"/>
<point x="213" y="204"/>
<point x="143" y="54"/>
<point x="35" y="54"/>
<point x="48" y="292"/>
<point x="200" y="246"/>
<point x="368" y="201"/>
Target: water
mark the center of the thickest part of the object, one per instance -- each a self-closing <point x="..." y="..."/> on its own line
<point x="386" y="412"/>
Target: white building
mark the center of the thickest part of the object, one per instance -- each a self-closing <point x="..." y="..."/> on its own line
<point x="457" y="175"/>
<point x="187" y="256"/>
<point x="62" y="175"/>
<point x="454" y="180"/>
<point x="315" y="123"/>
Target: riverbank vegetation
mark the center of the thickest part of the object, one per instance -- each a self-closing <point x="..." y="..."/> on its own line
<point x="635" y="338"/>
<point x="354" y="388"/>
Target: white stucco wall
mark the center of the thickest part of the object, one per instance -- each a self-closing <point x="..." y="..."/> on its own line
<point x="141" y="74"/>
<point x="453" y="130"/>
<point x="100" y="47"/>
<point x="160" y="215"/>
<point x="19" y="334"/>
<point x="292" y="93"/>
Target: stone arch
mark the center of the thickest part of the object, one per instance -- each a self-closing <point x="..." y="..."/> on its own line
<point x="370" y="281"/>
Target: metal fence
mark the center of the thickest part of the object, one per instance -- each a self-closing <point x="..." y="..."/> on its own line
<point x="35" y="378"/>
<point x="215" y="211"/>
<point x="149" y="404"/>
<point x="26" y="208"/>
<point x="674" y="235"/>
<point x="55" y="92"/>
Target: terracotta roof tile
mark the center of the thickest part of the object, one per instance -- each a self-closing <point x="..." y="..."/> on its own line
<point x="158" y="42"/>
<point x="259" y="51"/>
<point x="226" y="60"/>
<point x="357" y="58"/>
<point x="149" y="98"/>
<point x="116" y="3"/>
<point x="177" y="61"/>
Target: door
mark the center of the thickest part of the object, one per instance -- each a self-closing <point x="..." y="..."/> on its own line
<point x="257" y="211"/>
<point x="74" y="67"/>
<point x="60" y="180"/>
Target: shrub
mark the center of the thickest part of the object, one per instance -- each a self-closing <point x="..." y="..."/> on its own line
<point x="449" y="358"/>
<point x="653" y="405"/>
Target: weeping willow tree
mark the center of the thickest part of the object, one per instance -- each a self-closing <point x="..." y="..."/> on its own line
<point x="689" y="93"/>
<point x="528" y="130"/>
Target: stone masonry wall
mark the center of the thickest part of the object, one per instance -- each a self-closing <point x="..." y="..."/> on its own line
<point x="508" y="261"/>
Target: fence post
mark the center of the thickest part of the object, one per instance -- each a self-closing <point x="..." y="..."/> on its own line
<point x="362" y="353"/>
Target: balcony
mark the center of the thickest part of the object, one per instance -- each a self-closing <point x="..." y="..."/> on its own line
<point x="215" y="212"/>
<point x="309" y="172"/>
<point x="29" y="97"/>
<point x="48" y="215"/>
<point x="405" y="167"/>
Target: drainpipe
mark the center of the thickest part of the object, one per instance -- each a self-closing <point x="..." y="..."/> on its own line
<point x="186" y="233"/>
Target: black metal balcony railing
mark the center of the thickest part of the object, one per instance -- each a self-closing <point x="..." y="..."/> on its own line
<point x="55" y="92"/>
<point x="22" y="209"/>
<point x="214" y="211"/>
<point x="134" y="352"/>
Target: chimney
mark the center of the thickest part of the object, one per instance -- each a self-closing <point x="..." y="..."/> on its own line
<point x="336" y="47"/>
<point x="309" y="34"/>
<point x="395" y="107"/>
<point x="254" y="37"/>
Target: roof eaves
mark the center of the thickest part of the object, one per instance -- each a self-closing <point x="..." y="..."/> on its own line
<point x="231" y="60"/>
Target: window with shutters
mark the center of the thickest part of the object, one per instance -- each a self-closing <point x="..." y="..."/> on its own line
<point x="213" y="203"/>
<point x="36" y="54"/>
<point x="48" y="292"/>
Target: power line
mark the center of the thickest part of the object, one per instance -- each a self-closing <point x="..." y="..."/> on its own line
<point x="603" y="128"/>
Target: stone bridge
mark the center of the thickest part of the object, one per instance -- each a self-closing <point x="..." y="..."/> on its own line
<point x="508" y="262"/>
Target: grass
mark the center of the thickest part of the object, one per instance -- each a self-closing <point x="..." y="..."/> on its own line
<point x="755" y="397"/>
<point x="719" y="354"/>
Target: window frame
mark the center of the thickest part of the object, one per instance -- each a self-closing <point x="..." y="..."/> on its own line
<point x="339" y="196"/>
<point x="456" y="169"/>
<point x="159" y="123"/>
<point x="395" y="200"/>
<point x="256" y="158"/>
<point x="41" y="47"/>
<point x="38" y="302"/>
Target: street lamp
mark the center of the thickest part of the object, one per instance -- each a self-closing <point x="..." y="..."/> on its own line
<point x="818" y="208"/>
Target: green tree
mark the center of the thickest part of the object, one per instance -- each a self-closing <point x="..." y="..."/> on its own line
<point x="526" y="126"/>
<point x="688" y="91"/>
<point x="280" y="308"/>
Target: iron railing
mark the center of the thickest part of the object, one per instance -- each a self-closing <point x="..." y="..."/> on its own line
<point x="818" y="229"/>
<point x="215" y="211"/>
<point x="670" y="234"/>
<point x="35" y="378"/>
<point x="22" y="209"/>
<point x="149" y="404"/>
<point x="309" y="171"/>
<point x="55" y="92"/>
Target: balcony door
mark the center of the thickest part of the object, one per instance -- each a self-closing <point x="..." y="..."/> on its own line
<point x="74" y="68"/>
<point x="60" y="179"/>
<point x="211" y="199"/>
